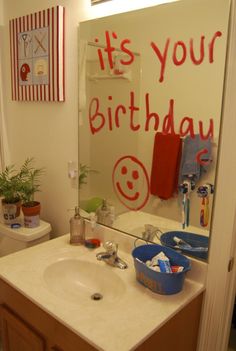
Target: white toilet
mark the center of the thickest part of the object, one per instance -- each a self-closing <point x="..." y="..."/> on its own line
<point x="15" y="239"/>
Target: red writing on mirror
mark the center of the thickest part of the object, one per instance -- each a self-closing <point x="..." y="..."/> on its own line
<point x="110" y="118"/>
<point x="179" y="52"/>
<point x="109" y="49"/>
<point x="176" y="52"/>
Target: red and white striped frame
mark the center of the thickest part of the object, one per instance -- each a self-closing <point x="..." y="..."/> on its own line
<point x="54" y="19"/>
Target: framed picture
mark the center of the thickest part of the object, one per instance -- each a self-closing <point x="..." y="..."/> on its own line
<point x="37" y="56"/>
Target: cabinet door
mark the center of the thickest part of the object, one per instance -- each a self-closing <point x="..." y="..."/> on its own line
<point x="18" y="336"/>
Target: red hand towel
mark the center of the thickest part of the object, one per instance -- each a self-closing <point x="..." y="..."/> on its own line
<point x="165" y="165"/>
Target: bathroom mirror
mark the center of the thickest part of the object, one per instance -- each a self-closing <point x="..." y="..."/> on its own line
<point x="150" y="98"/>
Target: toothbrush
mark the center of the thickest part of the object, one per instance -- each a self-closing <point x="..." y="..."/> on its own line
<point x="203" y="192"/>
<point x="187" y="202"/>
<point x="190" y="187"/>
<point x="182" y="244"/>
<point x="206" y="217"/>
<point x="186" y="187"/>
<point x="204" y="214"/>
<point x="187" y="209"/>
<point x="183" y="210"/>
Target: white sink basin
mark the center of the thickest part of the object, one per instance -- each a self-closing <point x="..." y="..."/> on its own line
<point x="73" y="279"/>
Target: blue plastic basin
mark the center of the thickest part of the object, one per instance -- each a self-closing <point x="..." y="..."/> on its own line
<point x="195" y="240"/>
<point x="161" y="283"/>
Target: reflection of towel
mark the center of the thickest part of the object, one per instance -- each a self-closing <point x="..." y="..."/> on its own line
<point x="190" y="167"/>
<point x="165" y="165"/>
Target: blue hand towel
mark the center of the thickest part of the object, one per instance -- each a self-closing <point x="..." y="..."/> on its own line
<point x="190" y="168"/>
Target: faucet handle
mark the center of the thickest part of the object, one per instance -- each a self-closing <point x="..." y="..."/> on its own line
<point x="110" y="247"/>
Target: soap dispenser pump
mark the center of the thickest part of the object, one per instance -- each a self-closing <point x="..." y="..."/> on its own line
<point x="77" y="228"/>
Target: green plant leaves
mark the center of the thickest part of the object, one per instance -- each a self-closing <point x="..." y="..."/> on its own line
<point x="22" y="184"/>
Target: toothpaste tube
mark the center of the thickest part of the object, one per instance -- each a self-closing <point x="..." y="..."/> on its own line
<point x="164" y="265"/>
<point x="177" y="269"/>
<point x="161" y="256"/>
<point x="182" y="243"/>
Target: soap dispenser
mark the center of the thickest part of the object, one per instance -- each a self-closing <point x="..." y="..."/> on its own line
<point x="77" y="228"/>
<point x="104" y="214"/>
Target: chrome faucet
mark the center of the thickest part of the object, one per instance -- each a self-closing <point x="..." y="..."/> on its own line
<point x="150" y="232"/>
<point x="110" y="255"/>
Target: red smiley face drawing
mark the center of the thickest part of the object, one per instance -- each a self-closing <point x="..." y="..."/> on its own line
<point x="131" y="182"/>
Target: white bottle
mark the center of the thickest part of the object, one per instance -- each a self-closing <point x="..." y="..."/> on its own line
<point x="77" y="228"/>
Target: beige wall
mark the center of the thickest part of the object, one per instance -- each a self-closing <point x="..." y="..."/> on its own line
<point x="1" y="12"/>
<point x="49" y="131"/>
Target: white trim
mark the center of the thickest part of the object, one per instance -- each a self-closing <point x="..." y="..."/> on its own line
<point x="220" y="285"/>
<point x="61" y="39"/>
<point x="4" y="149"/>
<point x="2" y="161"/>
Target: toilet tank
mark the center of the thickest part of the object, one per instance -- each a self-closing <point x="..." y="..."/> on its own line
<point x="15" y="239"/>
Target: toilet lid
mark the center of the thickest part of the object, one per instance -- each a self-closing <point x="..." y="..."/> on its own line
<point x="25" y="234"/>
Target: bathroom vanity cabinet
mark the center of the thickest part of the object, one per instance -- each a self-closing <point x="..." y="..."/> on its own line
<point x="25" y="326"/>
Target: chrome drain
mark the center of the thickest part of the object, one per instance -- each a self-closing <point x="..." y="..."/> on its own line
<point x="96" y="296"/>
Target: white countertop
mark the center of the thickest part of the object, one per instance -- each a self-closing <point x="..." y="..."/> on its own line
<point x="122" y="324"/>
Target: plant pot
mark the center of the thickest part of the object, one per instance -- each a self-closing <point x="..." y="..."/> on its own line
<point x="10" y="211"/>
<point x="31" y="213"/>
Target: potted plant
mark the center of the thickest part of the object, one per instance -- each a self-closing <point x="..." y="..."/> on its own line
<point x="89" y="205"/>
<point x="30" y="184"/>
<point x="10" y="190"/>
<point x="84" y="171"/>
